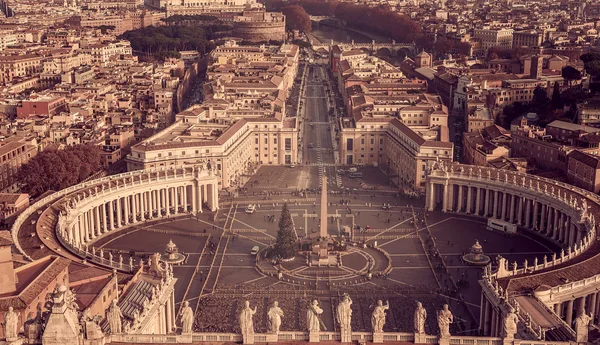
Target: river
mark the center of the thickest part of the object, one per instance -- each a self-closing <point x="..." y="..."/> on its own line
<point x="325" y="33"/>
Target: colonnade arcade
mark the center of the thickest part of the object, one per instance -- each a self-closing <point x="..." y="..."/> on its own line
<point x="561" y="213"/>
<point x="116" y="202"/>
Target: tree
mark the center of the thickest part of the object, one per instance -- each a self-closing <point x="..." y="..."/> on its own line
<point x="285" y="245"/>
<point x="540" y="97"/>
<point x="443" y="45"/>
<point x="56" y="170"/>
<point x="590" y="57"/>
<point x="463" y="48"/>
<point x="296" y="18"/>
<point x="556" y="101"/>
<point x="593" y="68"/>
<point x="570" y="73"/>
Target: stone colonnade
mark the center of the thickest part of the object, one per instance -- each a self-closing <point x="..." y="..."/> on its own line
<point x="135" y="197"/>
<point x="555" y="210"/>
<point x="510" y="203"/>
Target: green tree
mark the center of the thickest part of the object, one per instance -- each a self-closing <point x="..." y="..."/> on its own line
<point x="56" y="170"/>
<point x="570" y="73"/>
<point x="593" y="68"/>
<point x="556" y="100"/>
<point x="590" y="57"/>
<point x="296" y="18"/>
<point x="443" y="45"/>
<point x="285" y="245"/>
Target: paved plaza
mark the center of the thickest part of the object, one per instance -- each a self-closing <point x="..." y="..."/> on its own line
<point x="219" y="272"/>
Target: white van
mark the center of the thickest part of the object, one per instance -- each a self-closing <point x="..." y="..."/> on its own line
<point x="254" y="250"/>
<point x="251" y="208"/>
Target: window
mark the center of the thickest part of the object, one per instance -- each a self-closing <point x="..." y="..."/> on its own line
<point x="288" y="144"/>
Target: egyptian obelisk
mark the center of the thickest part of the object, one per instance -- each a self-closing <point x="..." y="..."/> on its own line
<point x="323" y="225"/>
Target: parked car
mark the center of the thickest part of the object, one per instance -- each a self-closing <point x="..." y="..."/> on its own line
<point x="251" y="209"/>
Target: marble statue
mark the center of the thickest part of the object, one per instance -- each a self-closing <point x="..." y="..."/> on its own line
<point x="127" y="327"/>
<point x="582" y="323"/>
<point x="246" y="323"/>
<point x="33" y="328"/>
<point x="114" y="317"/>
<point x="187" y="318"/>
<point x="344" y="313"/>
<point x="11" y="325"/>
<point x="445" y="318"/>
<point x="419" y="319"/>
<point x="313" y="318"/>
<point x="510" y="324"/>
<point x="275" y="314"/>
<point x="136" y="317"/>
<point x="378" y="316"/>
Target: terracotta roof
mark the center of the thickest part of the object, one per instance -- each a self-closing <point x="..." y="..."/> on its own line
<point x="5" y="238"/>
<point x="587" y="159"/>
<point x="409" y="132"/>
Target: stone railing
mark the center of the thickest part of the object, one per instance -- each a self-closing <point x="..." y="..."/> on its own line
<point x="323" y="336"/>
<point x="576" y="285"/>
<point x="575" y="250"/>
<point x="20" y="220"/>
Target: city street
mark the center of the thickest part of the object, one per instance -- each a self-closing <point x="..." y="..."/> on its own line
<point x="317" y="145"/>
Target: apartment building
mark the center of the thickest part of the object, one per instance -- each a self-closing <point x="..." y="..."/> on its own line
<point x="583" y="170"/>
<point x="18" y="66"/>
<point x="14" y="152"/>
<point x="528" y="38"/>
<point x="501" y="38"/>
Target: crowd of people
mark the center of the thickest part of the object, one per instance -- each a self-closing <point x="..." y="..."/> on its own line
<point x="218" y="313"/>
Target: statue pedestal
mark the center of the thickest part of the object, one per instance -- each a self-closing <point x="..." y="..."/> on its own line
<point x="420" y="338"/>
<point x="15" y="341"/>
<point x="378" y="338"/>
<point x="185" y="338"/>
<point x="314" y="336"/>
<point x="248" y="339"/>
<point x="272" y="338"/>
<point x="444" y="341"/>
<point x="346" y="336"/>
<point x="508" y="340"/>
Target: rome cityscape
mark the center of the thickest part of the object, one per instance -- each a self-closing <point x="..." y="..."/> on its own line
<point x="299" y="171"/>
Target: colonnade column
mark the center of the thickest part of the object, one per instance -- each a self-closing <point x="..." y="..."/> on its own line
<point x="144" y="199"/>
<point x="555" y="224"/>
<point x="512" y="208"/>
<point x="460" y="198"/>
<point x="119" y="215"/>
<point x="200" y="198"/>
<point x="127" y="203"/>
<point x="469" y="199"/>
<point x="478" y="201"/>
<point x="111" y="215"/>
<point x="569" y="313"/>
<point x="486" y="206"/>
<point x="175" y="200"/>
<point x="520" y="210"/>
<point x="543" y="218"/>
<point x="504" y="197"/>
<point x="97" y="230"/>
<point x="104" y="219"/>
<point x="527" y="212"/>
<point x="195" y="199"/>
<point x="535" y="214"/>
<point x="184" y="200"/>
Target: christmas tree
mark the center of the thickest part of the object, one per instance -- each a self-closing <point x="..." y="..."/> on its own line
<point x="285" y="246"/>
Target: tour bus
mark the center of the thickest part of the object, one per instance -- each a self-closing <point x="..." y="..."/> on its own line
<point x="499" y="225"/>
